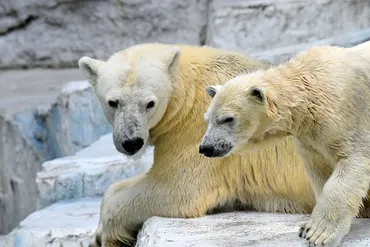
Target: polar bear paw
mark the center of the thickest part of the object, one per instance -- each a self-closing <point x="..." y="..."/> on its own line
<point x="321" y="232"/>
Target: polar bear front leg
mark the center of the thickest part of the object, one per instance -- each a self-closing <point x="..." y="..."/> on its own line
<point x="126" y="205"/>
<point x="108" y="199"/>
<point x="338" y="203"/>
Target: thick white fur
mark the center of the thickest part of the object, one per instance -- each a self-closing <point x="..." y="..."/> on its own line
<point x="183" y="183"/>
<point x="322" y="98"/>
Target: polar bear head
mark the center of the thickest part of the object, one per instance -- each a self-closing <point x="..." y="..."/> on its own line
<point x="241" y="114"/>
<point x="134" y="87"/>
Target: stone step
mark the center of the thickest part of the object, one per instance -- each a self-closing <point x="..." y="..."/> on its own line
<point x="238" y="229"/>
<point x="67" y="223"/>
<point x="88" y="173"/>
<point x="2" y="240"/>
<point x="42" y="117"/>
<point x="72" y="223"/>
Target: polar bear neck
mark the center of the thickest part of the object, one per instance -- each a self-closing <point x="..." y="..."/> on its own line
<point x="199" y="67"/>
<point x="299" y="96"/>
<point x="179" y="107"/>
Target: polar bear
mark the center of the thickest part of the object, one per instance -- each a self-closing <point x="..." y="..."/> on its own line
<point x="322" y="99"/>
<point x="153" y="94"/>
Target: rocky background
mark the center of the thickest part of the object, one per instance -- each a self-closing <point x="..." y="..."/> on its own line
<point x="43" y="118"/>
<point x="55" y="33"/>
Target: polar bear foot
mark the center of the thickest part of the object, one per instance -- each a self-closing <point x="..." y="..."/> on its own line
<point x="321" y="232"/>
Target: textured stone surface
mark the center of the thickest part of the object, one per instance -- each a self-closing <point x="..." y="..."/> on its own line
<point x="88" y="173"/>
<point x="58" y="32"/>
<point x="75" y="120"/>
<point x="40" y="120"/>
<point x="36" y="33"/>
<point x="284" y="53"/>
<point x="238" y="229"/>
<point x="258" y="25"/>
<point x="2" y="240"/>
<point x="71" y="223"/>
<point x="37" y="88"/>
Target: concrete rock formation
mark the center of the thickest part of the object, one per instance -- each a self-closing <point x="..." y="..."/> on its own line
<point x="68" y="223"/>
<point x="60" y="225"/>
<point x="85" y="175"/>
<point x="284" y="53"/>
<point x="237" y="230"/>
<point x="259" y="25"/>
<point x="88" y="173"/>
<point x="40" y="120"/>
<point x="37" y="33"/>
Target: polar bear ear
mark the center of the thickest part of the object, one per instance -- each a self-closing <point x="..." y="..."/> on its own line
<point x="90" y="68"/>
<point x="171" y="58"/>
<point x="258" y="94"/>
<point x="265" y="97"/>
<point x="212" y="90"/>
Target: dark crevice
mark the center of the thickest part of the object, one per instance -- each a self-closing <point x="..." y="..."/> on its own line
<point x="12" y="13"/>
<point x="204" y="29"/>
<point x="261" y="7"/>
<point x="22" y="25"/>
<point x="12" y="185"/>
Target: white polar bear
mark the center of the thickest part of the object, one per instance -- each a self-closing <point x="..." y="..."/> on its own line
<point x="322" y="99"/>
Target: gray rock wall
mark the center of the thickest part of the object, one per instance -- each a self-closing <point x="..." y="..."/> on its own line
<point x="258" y="25"/>
<point x="19" y="163"/>
<point x="56" y="33"/>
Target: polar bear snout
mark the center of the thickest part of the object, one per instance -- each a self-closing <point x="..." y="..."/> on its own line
<point x="207" y="150"/>
<point x="132" y="146"/>
<point x="214" y="149"/>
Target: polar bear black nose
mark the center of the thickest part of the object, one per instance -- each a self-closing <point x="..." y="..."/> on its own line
<point x="132" y="146"/>
<point x="206" y="150"/>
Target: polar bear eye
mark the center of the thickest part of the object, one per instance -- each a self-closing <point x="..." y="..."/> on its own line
<point x="228" y="120"/>
<point x="150" y="105"/>
<point x="113" y="103"/>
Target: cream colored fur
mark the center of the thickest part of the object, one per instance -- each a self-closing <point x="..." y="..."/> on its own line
<point x="322" y="99"/>
<point x="183" y="183"/>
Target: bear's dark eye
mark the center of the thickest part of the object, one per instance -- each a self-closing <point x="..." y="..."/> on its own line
<point x="150" y="105"/>
<point x="228" y="120"/>
<point x="113" y="103"/>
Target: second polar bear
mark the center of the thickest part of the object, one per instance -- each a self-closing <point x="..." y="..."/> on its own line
<point x="322" y="99"/>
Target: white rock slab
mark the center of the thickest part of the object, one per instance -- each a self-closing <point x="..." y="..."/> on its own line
<point x="68" y="224"/>
<point x="72" y="223"/>
<point x="88" y="173"/>
<point x="238" y="229"/>
<point x="103" y="147"/>
<point x="2" y="240"/>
